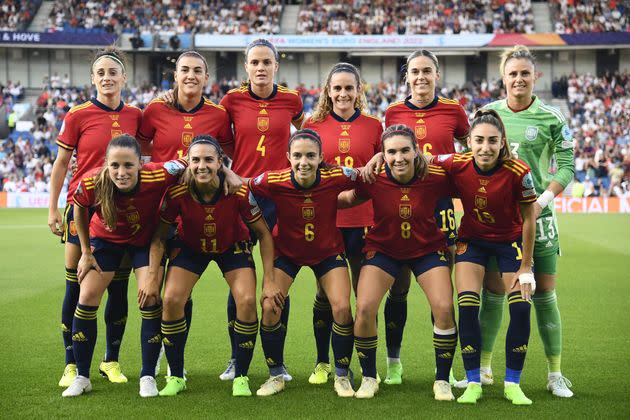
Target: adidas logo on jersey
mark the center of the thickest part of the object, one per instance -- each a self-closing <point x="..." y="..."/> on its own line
<point x="520" y="349"/>
<point x="549" y="244"/>
<point x="79" y="337"/>
<point x="343" y="361"/>
<point x="248" y="345"/>
<point x="468" y="349"/>
<point x="156" y="339"/>
<point x="447" y="355"/>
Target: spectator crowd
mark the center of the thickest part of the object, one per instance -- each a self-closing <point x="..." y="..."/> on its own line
<point x="578" y="16"/>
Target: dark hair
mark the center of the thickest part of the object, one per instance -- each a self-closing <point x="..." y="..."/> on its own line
<point x="490" y="116"/>
<point x="420" y="163"/>
<point x="113" y="53"/>
<point x="262" y="42"/>
<point x="306" y="133"/>
<point x="324" y="104"/>
<point x="104" y="187"/>
<point x="422" y="53"/>
<point x="192" y="53"/>
<point x="188" y="177"/>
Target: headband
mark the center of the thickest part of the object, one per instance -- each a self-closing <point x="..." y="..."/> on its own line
<point x="111" y="57"/>
<point x="306" y="134"/>
<point x="262" y="42"/>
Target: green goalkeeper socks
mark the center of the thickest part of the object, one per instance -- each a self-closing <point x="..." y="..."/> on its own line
<point x="549" y="327"/>
<point x="490" y="317"/>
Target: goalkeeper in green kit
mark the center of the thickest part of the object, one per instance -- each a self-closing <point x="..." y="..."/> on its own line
<point x="536" y="133"/>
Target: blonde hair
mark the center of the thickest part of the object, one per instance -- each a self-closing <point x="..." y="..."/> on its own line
<point x="324" y="105"/>
<point x="112" y="53"/>
<point x="420" y="163"/>
<point x="516" y="52"/>
<point x="104" y="187"/>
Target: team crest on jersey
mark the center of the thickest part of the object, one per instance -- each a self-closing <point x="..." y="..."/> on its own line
<point x="209" y="229"/>
<point x="187" y="137"/>
<point x="481" y="202"/>
<point x="461" y="247"/>
<point x="344" y="145"/>
<point x="484" y="182"/>
<point x="133" y="217"/>
<point x="404" y="210"/>
<point x="421" y="131"/>
<point x="308" y="213"/>
<point x="73" y="228"/>
<point x="531" y="133"/>
<point x="116" y="133"/>
<point x="263" y="123"/>
<point x="528" y="181"/>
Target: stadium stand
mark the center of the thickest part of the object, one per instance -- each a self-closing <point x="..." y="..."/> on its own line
<point x="16" y="15"/>
<point x="577" y="16"/>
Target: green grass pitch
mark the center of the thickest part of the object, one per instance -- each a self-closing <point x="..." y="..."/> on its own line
<point x="594" y="287"/>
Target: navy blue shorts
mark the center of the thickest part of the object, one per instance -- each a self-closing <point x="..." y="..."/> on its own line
<point x="109" y="255"/>
<point x="418" y="266"/>
<point x="237" y="256"/>
<point x="508" y="254"/>
<point x="354" y="240"/>
<point x="445" y="218"/>
<point x="69" y="226"/>
<point x="268" y="208"/>
<point x="320" y="269"/>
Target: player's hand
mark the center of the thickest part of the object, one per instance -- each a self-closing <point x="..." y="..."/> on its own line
<point x="272" y="291"/>
<point x="232" y="182"/>
<point x="168" y="97"/>
<point x="372" y="168"/>
<point x="537" y="210"/>
<point x="86" y="264"/>
<point x="55" y="223"/>
<point x="149" y="293"/>
<point x="527" y="282"/>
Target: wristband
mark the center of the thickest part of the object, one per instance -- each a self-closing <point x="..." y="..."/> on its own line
<point x="528" y="278"/>
<point x="545" y="198"/>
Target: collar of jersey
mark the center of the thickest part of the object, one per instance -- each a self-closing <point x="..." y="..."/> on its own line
<point x="297" y="186"/>
<point x="105" y="107"/>
<point x="217" y="193"/>
<point x="258" y="98"/>
<point x="417" y="108"/>
<point x="531" y="107"/>
<point x="134" y="191"/>
<point x="195" y="109"/>
<point x="357" y="114"/>
<point x="488" y="172"/>
<point x="394" y="180"/>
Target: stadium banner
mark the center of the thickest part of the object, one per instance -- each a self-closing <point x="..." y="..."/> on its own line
<point x="347" y="42"/>
<point x="531" y="40"/>
<point x="29" y="200"/>
<point x="581" y="205"/>
<point x="597" y="38"/>
<point x="58" y="38"/>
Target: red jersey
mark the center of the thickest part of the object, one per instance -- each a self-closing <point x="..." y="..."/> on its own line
<point x="339" y="148"/>
<point x="435" y="125"/>
<point x="211" y="227"/>
<point x="172" y="129"/>
<point x="262" y="127"/>
<point x="404" y="217"/>
<point x="490" y="199"/>
<point x="137" y="211"/>
<point x="305" y="231"/>
<point x="88" y="128"/>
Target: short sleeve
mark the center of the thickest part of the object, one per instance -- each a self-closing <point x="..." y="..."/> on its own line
<point x="463" y="125"/>
<point x="248" y="206"/>
<point x="445" y="162"/>
<point x="298" y="109"/>
<point x="169" y="210"/>
<point x="146" y="132"/>
<point x="173" y="169"/>
<point x="362" y="190"/>
<point x="525" y="191"/>
<point x="260" y="185"/>
<point x="70" y="132"/>
<point x="84" y="194"/>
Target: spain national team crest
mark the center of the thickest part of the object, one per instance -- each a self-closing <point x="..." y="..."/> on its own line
<point x="187" y="137"/>
<point x="531" y="133"/>
<point x="481" y="202"/>
<point x="308" y="213"/>
<point x="421" y="131"/>
<point x="405" y="211"/>
<point x="461" y="248"/>
<point x="344" y="145"/>
<point x="73" y="228"/>
<point x="209" y="229"/>
<point x="116" y="133"/>
<point x="133" y="217"/>
<point x="263" y="123"/>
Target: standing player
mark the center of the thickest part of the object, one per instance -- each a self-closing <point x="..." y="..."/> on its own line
<point x="497" y="193"/>
<point x="124" y="194"/>
<point x="349" y="138"/>
<point x="404" y="234"/>
<point x="306" y="200"/>
<point x="437" y="122"/>
<point x="261" y="113"/>
<point x="537" y="134"/>
<point x="167" y="131"/>
<point x="87" y="130"/>
<point x="210" y="229"/>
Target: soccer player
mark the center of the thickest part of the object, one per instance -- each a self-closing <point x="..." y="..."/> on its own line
<point x="210" y="228"/>
<point x="437" y="123"/>
<point x="87" y="130"/>
<point x="497" y="193"/>
<point x="350" y="137"/>
<point x="537" y="134"/>
<point x="306" y="201"/>
<point x="404" y="234"/>
<point x="168" y="128"/>
<point x="124" y="194"/>
<point x="261" y="113"/>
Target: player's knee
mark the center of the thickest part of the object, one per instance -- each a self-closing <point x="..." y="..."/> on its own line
<point x="443" y="313"/>
<point x="341" y="313"/>
<point x="173" y="301"/>
<point x="246" y="306"/>
<point x="365" y="314"/>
